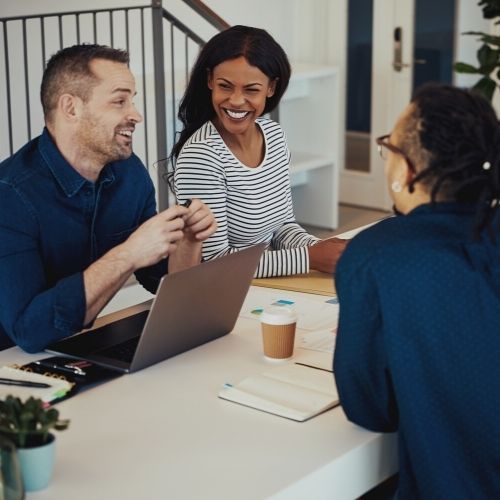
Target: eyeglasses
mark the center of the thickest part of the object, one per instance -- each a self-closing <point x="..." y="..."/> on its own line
<point x="383" y="142"/>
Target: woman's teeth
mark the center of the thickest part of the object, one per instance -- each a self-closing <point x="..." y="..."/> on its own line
<point x="236" y="114"/>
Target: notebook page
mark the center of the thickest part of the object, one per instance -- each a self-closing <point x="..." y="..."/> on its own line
<point x="57" y="389"/>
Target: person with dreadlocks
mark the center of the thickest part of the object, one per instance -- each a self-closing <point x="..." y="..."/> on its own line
<point x="418" y="343"/>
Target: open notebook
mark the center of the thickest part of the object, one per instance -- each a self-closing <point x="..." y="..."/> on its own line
<point x="293" y="391"/>
<point x="56" y="388"/>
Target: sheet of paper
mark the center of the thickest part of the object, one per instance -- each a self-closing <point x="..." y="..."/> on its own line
<point x="315" y="349"/>
<point x="314" y="359"/>
<point x="319" y="340"/>
<point x="347" y="235"/>
<point x="311" y="314"/>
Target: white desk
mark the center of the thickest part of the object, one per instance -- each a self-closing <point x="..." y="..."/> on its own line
<point x="163" y="433"/>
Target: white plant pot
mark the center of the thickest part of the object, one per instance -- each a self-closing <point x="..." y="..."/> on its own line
<point x="37" y="465"/>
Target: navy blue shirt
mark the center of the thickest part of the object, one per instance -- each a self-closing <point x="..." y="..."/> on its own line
<point x="418" y="348"/>
<point x="53" y="224"/>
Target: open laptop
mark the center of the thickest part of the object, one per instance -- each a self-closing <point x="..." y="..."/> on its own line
<point x="191" y="307"/>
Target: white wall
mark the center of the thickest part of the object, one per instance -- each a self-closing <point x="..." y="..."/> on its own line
<point x="27" y="7"/>
<point x="275" y="16"/>
<point x="279" y="16"/>
<point x="35" y="66"/>
<point x="308" y="30"/>
<point x="469" y="18"/>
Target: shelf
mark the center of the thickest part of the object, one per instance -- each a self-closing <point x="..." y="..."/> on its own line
<point x="309" y="115"/>
<point x="302" y="162"/>
<point x="303" y="76"/>
<point x="308" y="71"/>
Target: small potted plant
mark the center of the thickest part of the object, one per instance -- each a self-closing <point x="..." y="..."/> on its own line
<point x="28" y="424"/>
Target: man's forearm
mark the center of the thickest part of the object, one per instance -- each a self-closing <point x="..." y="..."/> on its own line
<point x="104" y="278"/>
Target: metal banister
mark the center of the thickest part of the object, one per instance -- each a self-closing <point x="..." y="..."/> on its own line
<point x="208" y="14"/>
<point x="27" y="41"/>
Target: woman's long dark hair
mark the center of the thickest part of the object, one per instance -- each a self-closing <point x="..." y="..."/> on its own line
<point x="257" y="46"/>
<point x="460" y="135"/>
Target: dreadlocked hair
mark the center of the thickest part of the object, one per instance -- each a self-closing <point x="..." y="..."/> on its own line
<point x="453" y="136"/>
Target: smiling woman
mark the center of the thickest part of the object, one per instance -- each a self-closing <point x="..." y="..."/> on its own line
<point x="239" y="93"/>
<point x="237" y="162"/>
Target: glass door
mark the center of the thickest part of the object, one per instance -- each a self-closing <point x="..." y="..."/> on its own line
<point x="359" y="84"/>
<point x="394" y="46"/>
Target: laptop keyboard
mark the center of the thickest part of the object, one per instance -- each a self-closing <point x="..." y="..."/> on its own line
<point x="123" y="352"/>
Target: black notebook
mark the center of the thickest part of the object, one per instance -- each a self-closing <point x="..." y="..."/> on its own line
<point x="79" y="374"/>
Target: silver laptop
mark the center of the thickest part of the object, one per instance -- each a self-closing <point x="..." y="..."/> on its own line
<point x="191" y="307"/>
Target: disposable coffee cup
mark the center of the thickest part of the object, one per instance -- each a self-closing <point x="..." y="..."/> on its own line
<point x="278" y="331"/>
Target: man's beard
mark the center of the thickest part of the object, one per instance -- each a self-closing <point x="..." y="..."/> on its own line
<point x="92" y="139"/>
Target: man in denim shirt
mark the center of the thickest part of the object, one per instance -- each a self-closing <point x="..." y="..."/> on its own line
<point x="77" y="207"/>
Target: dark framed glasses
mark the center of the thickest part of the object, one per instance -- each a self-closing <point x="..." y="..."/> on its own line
<point x="383" y="145"/>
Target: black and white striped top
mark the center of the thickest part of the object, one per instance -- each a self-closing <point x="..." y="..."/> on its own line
<point x="251" y="205"/>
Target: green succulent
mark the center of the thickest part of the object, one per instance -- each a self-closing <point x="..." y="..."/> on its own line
<point x="488" y="54"/>
<point x="28" y="423"/>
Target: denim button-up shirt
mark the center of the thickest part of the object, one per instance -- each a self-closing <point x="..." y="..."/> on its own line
<point x="53" y="224"/>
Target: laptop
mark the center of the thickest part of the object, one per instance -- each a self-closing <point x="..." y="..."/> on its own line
<point x="191" y="307"/>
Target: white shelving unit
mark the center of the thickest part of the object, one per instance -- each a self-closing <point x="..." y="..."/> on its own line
<point x="309" y="115"/>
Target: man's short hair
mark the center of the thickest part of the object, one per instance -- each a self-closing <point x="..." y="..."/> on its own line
<point x="68" y="72"/>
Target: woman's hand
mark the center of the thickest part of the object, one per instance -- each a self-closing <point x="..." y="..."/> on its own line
<point x="323" y="256"/>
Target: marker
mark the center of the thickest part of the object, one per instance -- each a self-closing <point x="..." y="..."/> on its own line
<point x="23" y="383"/>
<point x="187" y="203"/>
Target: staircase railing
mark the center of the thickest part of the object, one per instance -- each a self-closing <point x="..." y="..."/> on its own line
<point x="160" y="63"/>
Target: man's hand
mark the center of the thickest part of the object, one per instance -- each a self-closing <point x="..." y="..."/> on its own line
<point x="323" y="256"/>
<point x="199" y="222"/>
<point x="156" y="238"/>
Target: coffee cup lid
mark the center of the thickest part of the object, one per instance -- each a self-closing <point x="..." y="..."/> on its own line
<point x="278" y="315"/>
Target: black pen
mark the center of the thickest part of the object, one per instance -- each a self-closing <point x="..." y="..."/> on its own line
<point x="187" y="203"/>
<point x="74" y="370"/>
<point x="23" y="383"/>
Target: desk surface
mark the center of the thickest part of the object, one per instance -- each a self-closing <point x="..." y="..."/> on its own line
<point x="163" y="433"/>
<point x="313" y="282"/>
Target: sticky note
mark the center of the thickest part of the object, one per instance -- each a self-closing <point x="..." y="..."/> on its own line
<point x="283" y="302"/>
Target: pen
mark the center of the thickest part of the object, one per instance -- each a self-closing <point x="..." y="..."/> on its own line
<point x="23" y="383"/>
<point x="187" y="203"/>
<point x="74" y="370"/>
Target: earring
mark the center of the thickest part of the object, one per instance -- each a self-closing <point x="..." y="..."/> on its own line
<point x="396" y="187"/>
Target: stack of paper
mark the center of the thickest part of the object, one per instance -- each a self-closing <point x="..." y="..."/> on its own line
<point x="293" y="391"/>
